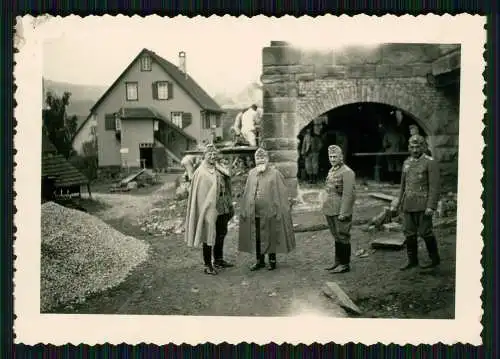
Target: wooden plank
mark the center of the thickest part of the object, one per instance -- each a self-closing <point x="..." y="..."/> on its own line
<point x="383" y="196"/>
<point x="389" y="242"/>
<point x="333" y="291"/>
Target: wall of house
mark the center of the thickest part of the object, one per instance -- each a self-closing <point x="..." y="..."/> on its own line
<point x="133" y="133"/>
<point x="109" y="148"/>
<point x="84" y="135"/>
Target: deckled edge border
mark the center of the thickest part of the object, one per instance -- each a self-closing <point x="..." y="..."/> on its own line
<point x="284" y="347"/>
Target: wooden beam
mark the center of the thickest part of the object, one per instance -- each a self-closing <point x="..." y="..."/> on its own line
<point x="383" y="196"/>
<point x="388" y="241"/>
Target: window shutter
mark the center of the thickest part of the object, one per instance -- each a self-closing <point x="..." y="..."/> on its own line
<point x="154" y="88"/>
<point x="109" y="122"/>
<point x="187" y="119"/>
<point x="170" y="90"/>
<point x="218" y="120"/>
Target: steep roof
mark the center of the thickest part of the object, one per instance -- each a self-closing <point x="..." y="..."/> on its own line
<point x="65" y="174"/>
<point x="56" y="166"/>
<point x="186" y="82"/>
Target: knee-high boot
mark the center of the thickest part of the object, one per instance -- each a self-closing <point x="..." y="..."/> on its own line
<point x="432" y="249"/>
<point x="344" y="250"/>
<point x="337" y="257"/>
<point x="412" y="252"/>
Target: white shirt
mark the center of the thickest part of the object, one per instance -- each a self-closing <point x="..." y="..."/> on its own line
<point x="248" y="120"/>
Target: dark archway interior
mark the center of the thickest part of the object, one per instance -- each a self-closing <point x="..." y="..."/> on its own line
<point x="360" y="129"/>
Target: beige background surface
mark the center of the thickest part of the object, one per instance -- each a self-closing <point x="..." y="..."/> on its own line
<point x="31" y="327"/>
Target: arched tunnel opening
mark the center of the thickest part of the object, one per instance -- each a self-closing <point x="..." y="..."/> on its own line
<point x="373" y="136"/>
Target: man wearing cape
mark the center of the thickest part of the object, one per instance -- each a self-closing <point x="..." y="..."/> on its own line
<point x="209" y="210"/>
<point x="265" y="219"/>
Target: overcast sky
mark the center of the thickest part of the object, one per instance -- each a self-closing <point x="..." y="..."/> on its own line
<point x="224" y="54"/>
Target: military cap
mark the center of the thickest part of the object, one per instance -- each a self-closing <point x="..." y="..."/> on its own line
<point x="334" y="150"/>
<point x="261" y="153"/>
<point x="416" y="140"/>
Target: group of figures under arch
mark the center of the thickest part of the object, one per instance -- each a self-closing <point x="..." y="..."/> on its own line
<point x="373" y="136"/>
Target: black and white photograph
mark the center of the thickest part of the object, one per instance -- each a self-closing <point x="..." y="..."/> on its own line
<point x="253" y="173"/>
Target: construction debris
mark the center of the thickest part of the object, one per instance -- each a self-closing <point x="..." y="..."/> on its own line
<point x="395" y="241"/>
<point x="332" y="290"/>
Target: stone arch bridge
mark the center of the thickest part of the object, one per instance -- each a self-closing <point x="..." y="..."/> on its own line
<point x="419" y="79"/>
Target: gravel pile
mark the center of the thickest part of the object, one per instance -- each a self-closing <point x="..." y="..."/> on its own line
<point x="81" y="255"/>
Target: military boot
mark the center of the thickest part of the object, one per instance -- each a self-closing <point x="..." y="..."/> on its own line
<point x="412" y="252"/>
<point x="259" y="264"/>
<point x="432" y="249"/>
<point x="345" y="258"/>
<point x="272" y="261"/>
<point x="337" y="260"/>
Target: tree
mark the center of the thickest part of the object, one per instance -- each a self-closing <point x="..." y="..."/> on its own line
<point x="59" y="127"/>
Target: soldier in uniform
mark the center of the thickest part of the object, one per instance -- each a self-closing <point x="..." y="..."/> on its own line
<point x="338" y="207"/>
<point x="418" y="199"/>
<point x="415" y="131"/>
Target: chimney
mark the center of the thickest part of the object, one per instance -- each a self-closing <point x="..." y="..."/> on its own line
<point x="182" y="63"/>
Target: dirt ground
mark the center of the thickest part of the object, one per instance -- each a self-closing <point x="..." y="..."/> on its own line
<point x="172" y="279"/>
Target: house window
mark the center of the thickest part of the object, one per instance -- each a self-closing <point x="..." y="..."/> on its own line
<point x="162" y="90"/>
<point x="210" y="120"/>
<point x="205" y="120"/>
<point x="146" y="63"/>
<point x="132" y="91"/>
<point x="118" y="123"/>
<point x="176" y="118"/>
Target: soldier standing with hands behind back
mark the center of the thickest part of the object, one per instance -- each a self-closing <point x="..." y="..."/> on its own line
<point x="338" y="207"/>
<point x="418" y="198"/>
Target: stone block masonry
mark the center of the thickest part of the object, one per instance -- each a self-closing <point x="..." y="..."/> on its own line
<point x="299" y="86"/>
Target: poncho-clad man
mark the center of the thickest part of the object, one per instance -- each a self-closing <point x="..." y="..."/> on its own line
<point x="338" y="207"/>
<point x="209" y="210"/>
<point x="265" y="219"/>
<point x="418" y="198"/>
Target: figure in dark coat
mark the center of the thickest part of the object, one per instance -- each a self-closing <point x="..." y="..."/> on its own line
<point x="338" y="207"/>
<point x="209" y="210"/>
<point x="265" y="219"/>
<point x="418" y="199"/>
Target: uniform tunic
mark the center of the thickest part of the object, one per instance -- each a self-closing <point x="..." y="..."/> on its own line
<point x="224" y="198"/>
<point x="340" y="197"/>
<point x="419" y="191"/>
<point x="419" y="184"/>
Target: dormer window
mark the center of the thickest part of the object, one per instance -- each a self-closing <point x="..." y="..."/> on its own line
<point x="146" y="63"/>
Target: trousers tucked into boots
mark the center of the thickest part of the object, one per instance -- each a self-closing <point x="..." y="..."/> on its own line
<point x="218" y="248"/>
<point x="412" y="251"/>
<point x="418" y="224"/>
<point x="340" y="231"/>
<point x="258" y="250"/>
